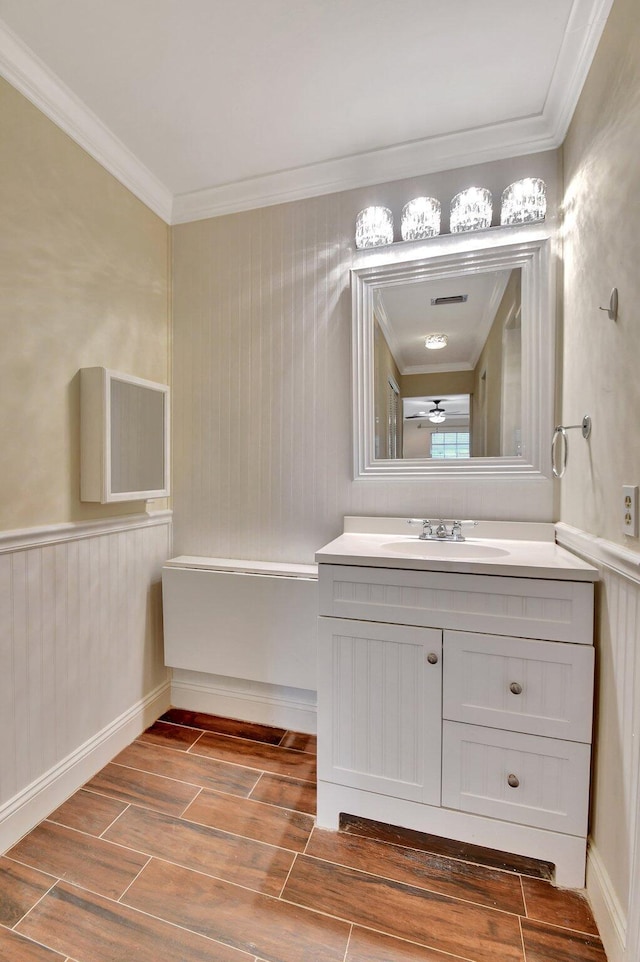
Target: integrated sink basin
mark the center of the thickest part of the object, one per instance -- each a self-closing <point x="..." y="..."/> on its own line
<point x="461" y="550"/>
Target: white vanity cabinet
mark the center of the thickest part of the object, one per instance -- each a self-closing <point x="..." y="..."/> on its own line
<point x="458" y="705"/>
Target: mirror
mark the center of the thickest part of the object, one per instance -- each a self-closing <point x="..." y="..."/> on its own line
<point x="483" y="404"/>
<point x="476" y="321"/>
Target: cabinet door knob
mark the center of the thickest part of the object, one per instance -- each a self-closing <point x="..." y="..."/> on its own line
<point x="513" y="781"/>
<point x="432" y="658"/>
<point x="515" y="688"/>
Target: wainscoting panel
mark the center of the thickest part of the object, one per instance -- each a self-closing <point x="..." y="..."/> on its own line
<point x="613" y="868"/>
<point x="80" y="650"/>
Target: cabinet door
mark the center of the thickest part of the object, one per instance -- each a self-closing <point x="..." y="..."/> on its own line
<point x="380" y="708"/>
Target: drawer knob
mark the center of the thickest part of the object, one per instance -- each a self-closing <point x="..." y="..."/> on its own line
<point x="432" y="658"/>
<point x="515" y="688"/>
<point x="513" y="781"/>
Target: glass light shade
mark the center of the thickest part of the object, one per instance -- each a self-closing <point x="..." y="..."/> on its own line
<point x="437" y="417"/>
<point x="471" y="209"/>
<point x="420" y="218"/>
<point x="435" y="342"/>
<point x="374" y="227"/>
<point x="524" y="202"/>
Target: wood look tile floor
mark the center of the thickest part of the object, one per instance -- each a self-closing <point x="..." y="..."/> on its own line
<point x="197" y="844"/>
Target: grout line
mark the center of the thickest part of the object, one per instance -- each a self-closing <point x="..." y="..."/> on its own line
<point x="346" y="948"/>
<point x="524" y="898"/>
<point x="284" y="884"/>
<point x="414" y="885"/>
<point x="524" y="951"/>
<point x="304" y="851"/>
<point x="23" y="917"/>
<point x="137" y="876"/>
<point x="149" y="915"/>
<point x="450" y="858"/>
<point x="128" y="805"/>
<point x="180" y="815"/>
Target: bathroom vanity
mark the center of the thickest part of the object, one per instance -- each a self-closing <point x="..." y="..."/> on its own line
<point x="455" y="687"/>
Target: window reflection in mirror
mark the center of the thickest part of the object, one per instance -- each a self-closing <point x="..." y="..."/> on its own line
<point x="464" y="400"/>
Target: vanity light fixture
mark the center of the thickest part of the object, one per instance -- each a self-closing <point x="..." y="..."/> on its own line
<point x="435" y="342"/>
<point x="524" y="202"/>
<point x="471" y="209"/>
<point x="420" y="218"/>
<point x="374" y="227"/>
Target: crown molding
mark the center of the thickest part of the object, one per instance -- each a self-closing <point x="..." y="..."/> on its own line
<point x="526" y="135"/>
<point x="579" y="45"/>
<point x="29" y="75"/>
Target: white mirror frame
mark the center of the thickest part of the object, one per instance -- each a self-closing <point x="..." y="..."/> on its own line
<point x="453" y="255"/>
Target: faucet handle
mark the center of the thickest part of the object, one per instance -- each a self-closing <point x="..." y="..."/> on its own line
<point x="456" y="529"/>
<point x="426" y="523"/>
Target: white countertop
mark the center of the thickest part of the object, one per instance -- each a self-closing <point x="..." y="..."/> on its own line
<point x="514" y="556"/>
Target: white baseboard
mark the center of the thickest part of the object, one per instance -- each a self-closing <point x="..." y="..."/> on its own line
<point x="291" y="708"/>
<point x="22" y="812"/>
<point x="608" y="913"/>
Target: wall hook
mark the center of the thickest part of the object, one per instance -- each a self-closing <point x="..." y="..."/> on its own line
<point x="612" y="309"/>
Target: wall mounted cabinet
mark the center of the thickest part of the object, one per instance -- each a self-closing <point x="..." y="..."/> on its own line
<point x="124" y="437"/>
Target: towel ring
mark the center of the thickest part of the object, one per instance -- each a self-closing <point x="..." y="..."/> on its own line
<point x="560" y="431"/>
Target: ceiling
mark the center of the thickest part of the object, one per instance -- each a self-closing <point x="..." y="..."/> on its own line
<point x="203" y="107"/>
<point x="407" y="314"/>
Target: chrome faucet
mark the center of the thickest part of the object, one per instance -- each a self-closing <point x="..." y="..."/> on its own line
<point x="441" y="533"/>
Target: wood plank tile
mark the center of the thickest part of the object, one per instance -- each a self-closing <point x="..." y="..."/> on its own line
<point x="88" y="812"/>
<point x="17" y="948"/>
<point x="300" y="742"/>
<point x="91" y="862"/>
<point x="141" y="788"/>
<point x="255" y="923"/>
<point x="404" y="911"/>
<point x="473" y="883"/>
<point x="20" y="889"/>
<point x="558" y="906"/>
<point x="170" y="736"/>
<point x="252" y="819"/>
<point x="225" y="726"/>
<point x="193" y="769"/>
<point x="544" y="943"/>
<point x="368" y="946"/>
<point x="269" y="758"/>
<point x="292" y="793"/>
<point x="260" y="867"/>
<point x="92" y="929"/>
<point x="450" y="848"/>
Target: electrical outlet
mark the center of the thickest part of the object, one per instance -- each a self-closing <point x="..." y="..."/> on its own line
<point x="630" y="509"/>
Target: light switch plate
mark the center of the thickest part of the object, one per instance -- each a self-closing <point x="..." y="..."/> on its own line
<point x="630" y="509"/>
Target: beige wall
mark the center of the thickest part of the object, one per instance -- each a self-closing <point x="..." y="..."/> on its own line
<point x="263" y="465"/>
<point x="385" y="368"/>
<point x="84" y="276"/>
<point x="487" y="410"/>
<point x="430" y="385"/>
<point x="601" y="378"/>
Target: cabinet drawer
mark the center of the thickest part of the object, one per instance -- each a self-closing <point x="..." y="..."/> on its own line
<point x="525" y="607"/>
<point x="549" y="778"/>
<point x="536" y="687"/>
